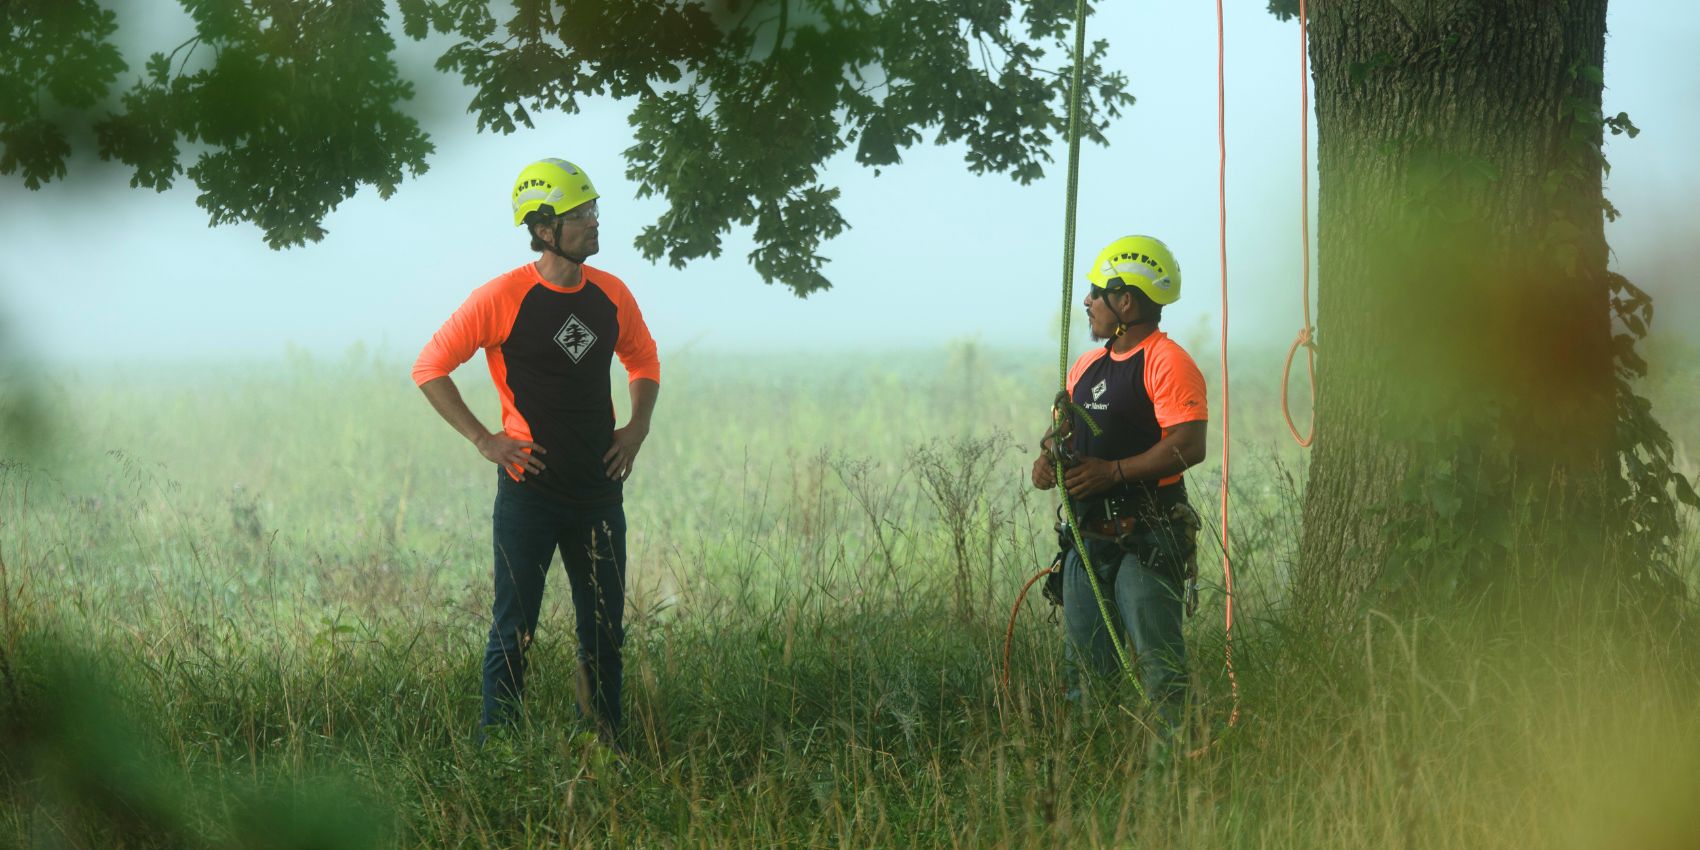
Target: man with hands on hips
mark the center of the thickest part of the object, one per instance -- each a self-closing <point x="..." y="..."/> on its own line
<point x="550" y="330"/>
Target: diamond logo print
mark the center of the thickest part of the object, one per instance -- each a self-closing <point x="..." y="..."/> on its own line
<point x="575" y="338"/>
<point x="1098" y="389"/>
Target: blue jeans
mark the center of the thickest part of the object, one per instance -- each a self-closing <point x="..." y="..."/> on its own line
<point x="528" y="528"/>
<point x="1146" y="604"/>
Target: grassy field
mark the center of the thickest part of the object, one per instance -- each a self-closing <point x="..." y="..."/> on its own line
<point x="246" y="608"/>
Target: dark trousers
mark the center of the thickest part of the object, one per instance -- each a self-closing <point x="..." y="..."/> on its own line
<point x="528" y="528"/>
<point x="1145" y="605"/>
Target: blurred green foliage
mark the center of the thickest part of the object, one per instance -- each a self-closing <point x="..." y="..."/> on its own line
<point x="81" y="768"/>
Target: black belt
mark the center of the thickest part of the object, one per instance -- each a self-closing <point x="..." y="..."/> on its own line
<point x="1150" y="506"/>
<point x="1114" y="528"/>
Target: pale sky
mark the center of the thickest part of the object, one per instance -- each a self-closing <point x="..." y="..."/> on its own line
<point x="93" y="271"/>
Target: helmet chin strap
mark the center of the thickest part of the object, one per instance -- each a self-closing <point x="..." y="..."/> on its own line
<point x="1121" y="324"/>
<point x="551" y="246"/>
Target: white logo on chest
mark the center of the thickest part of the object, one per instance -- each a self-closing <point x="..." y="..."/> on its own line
<point x="575" y="338"/>
<point x="1099" y="388"/>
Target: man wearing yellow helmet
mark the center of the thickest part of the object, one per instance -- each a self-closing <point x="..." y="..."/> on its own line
<point x="1147" y="397"/>
<point x="550" y="330"/>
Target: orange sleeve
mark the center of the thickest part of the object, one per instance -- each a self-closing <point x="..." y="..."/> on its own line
<point x="1176" y="386"/>
<point x="478" y="323"/>
<point x="1079" y="367"/>
<point x="635" y="347"/>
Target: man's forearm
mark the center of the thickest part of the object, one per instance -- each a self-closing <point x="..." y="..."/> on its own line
<point x="445" y="399"/>
<point x="644" y="392"/>
<point x="1173" y="455"/>
<point x="1153" y="465"/>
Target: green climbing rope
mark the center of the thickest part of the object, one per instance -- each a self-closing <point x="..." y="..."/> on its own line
<point x="1064" y="406"/>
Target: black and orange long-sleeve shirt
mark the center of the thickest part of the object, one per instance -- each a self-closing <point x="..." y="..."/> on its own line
<point x="1135" y="398"/>
<point x="549" y="351"/>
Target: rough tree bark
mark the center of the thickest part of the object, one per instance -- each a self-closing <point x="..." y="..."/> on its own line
<point x="1465" y="379"/>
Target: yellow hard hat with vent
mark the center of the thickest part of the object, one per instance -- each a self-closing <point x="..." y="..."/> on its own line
<point x="551" y="187"/>
<point x="1141" y="262"/>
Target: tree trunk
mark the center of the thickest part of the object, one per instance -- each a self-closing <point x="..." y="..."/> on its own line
<point x="1465" y="383"/>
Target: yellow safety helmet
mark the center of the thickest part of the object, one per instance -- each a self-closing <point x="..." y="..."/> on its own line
<point x="551" y="187"/>
<point x="1138" y="261"/>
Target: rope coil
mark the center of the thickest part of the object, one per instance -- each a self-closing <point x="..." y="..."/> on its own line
<point x="1307" y="334"/>
<point x="1306" y="339"/>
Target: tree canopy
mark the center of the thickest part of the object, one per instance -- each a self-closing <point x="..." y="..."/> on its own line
<point x="279" y="110"/>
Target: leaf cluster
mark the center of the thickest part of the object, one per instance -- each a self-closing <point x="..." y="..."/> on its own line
<point x="740" y="103"/>
<point x="288" y="107"/>
<point x="1656" y="490"/>
<point x="56" y="56"/>
<point x="284" y="107"/>
<point x="1284" y="10"/>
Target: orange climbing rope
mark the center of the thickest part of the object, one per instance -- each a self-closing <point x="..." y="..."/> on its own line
<point x="1307" y="333"/>
<point x="1009" y="634"/>
<point x="1222" y="236"/>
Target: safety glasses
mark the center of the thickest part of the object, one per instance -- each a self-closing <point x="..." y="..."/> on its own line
<point x="582" y="212"/>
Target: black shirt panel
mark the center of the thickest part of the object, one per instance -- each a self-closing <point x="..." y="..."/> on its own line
<point x="1113" y="392"/>
<point x="558" y="356"/>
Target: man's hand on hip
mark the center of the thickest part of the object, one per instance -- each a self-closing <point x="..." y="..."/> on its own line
<point x="511" y="454"/>
<point x="623" y="452"/>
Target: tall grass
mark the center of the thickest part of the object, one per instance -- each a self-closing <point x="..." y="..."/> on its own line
<point x="247" y="610"/>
